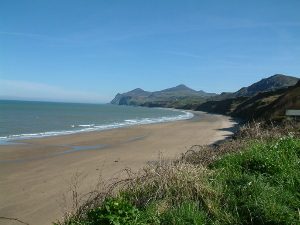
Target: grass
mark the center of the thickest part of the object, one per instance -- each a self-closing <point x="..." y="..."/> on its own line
<point x="262" y="185"/>
<point x="253" y="179"/>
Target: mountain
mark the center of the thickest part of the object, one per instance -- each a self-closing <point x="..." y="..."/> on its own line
<point x="268" y="98"/>
<point x="272" y="83"/>
<point x="171" y="97"/>
<point x="179" y="88"/>
<point x="138" y="92"/>
<point x="124" y="99"/>
<point x="268" y="105"/>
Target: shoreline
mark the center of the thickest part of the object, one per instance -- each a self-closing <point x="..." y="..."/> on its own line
<point x="71" y="148"/>
<point x="18" y="138"/>
<point x="33" y="190"/>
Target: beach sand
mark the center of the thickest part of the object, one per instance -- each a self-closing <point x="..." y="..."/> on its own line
<point x="35" y="174"/>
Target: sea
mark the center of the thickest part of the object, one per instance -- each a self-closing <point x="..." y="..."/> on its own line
<point x="31" y="119"/>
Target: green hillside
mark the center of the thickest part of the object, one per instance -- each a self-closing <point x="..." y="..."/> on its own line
<point x="176" y="97"/>
<point x="265" y="105"/>
<point x="268" y="98"/>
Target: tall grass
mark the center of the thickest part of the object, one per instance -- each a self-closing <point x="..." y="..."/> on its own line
<point x="262" y="185"/>
<point x="252" y="179"/>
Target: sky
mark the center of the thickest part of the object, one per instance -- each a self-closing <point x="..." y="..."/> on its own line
<point x="87" y="51"/>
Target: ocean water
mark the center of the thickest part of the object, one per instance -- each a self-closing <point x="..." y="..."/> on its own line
<point x="24" y="119"/>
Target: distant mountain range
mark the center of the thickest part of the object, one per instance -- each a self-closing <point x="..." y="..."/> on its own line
<point x="267" y="98"/>
<point x="164" y="98"/>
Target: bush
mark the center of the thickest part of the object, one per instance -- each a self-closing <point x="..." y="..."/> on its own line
<point x="114" y="211"/>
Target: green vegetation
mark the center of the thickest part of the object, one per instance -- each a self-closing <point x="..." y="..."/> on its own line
<point x="113" y="211"/>
<point x="252" y="179"/>
<point x="261" y="185"/>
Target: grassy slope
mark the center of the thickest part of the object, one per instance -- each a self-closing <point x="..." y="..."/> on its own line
<point x="226" y="106"/>
<point x="270" y="105"/>
<point x="289" y="100"/>
<point x="169" y="101"/>
<point x="256" y="106"/>
<point x="254" y="179"/>
<point x="265" y="105"/>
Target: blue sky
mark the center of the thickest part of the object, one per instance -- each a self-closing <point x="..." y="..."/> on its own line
<point x="87" y="51"/>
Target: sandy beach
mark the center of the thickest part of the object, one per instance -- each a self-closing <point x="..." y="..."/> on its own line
<point x="36" y="173"/>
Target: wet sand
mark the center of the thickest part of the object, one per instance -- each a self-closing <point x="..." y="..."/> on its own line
<point x="36" y="173"/>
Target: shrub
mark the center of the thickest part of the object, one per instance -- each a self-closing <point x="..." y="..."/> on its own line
<point x="114" y="211"/>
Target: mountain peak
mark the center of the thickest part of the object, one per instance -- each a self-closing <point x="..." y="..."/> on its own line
<point x="136" y="91"/>
<point x="278" y="75"/>
<point x="140" y="97"/>
<point x="180" y="87"/>
<point x="183" y="87"/>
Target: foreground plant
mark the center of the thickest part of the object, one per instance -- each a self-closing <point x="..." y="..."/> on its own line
<point x="254" y="181"/>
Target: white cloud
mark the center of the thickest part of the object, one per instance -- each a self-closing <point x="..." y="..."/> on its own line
<point x="38" y="91"/>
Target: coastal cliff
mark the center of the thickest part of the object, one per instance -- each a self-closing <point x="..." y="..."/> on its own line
<point x="266" y="98"/>
<point x="175" y="97"/>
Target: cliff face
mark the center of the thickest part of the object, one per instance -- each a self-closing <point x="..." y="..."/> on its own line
<point x="117" y="99"/>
